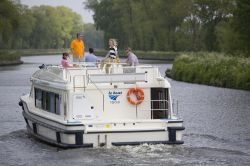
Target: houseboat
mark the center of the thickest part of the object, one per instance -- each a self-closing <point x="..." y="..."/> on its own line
<point x="93" y="106"/>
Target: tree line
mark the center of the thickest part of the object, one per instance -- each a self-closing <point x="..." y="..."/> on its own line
<point x="42" y="27"/>
<point x="176" y="25"/>
<point x="162" y="25"/>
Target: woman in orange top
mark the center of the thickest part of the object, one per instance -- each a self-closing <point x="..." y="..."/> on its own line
<point x="77" y="48"/>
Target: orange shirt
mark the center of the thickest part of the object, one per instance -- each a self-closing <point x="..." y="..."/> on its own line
<point x="78" y="48"/>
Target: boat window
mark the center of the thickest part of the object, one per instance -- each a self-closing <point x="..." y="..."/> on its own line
<point x="57" y="104"/>
<point x="38" y="98"/>
<point x="52" y="102"/>
<point x="47" y="101"/>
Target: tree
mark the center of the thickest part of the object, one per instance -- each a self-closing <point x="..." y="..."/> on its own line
<point x="179" y="25"/>
<point x="92" y="37"/>
<point x="209" y="13"/>
<point x="8" y="22"/>
<point x="26" y="26"/>
<point x="142" y="24"/>
<point x="241" y="24"/>
<point x="54" y="26"/>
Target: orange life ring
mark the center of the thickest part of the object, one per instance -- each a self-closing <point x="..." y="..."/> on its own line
<point x="139" y="94"/>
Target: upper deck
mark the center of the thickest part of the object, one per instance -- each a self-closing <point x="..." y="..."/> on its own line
<point x="89" y="75"/>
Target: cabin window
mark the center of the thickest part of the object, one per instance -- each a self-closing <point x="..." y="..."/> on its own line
<point x="48" y="101"/>
<point x="45" y="102"/>
<point x="57" y="104"/>
<point x="52" y="100"/>
<point x="38" y="98"/>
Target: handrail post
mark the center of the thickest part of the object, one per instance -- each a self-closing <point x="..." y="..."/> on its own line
<point x="177" y="110"/>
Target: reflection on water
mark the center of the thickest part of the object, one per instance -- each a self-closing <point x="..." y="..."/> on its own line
<point x="216" y="120"/>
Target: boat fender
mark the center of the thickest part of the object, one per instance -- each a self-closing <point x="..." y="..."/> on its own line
<point x="139" y="94"/>
<point x="20" y="103"/>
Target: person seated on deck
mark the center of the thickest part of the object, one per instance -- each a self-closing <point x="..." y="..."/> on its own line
<point x="64" y="62"/>
<point x="132" y="59"/>
<point x="91" y="56"/>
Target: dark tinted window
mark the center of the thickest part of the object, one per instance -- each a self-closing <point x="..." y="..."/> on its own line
<point x="47" y="101"/>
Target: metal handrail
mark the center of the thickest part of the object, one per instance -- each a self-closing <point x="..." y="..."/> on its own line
<point x="166" y="110"/>
<point x="175" y="112"/>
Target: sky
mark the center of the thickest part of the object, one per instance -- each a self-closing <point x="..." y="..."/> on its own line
<point x="76" y="5"/>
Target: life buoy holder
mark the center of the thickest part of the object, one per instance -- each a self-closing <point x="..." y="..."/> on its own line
<point x="139" y="94"/>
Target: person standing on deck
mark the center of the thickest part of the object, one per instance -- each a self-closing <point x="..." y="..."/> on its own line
<point x="77" y="48"/>
<point x="112" y="54"/>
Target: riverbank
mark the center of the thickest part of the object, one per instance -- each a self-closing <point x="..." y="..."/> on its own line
<point x="31" y="52"/>
<point x="212" y="69"/>
<point x="149" y="55"/>
<point x="13" y="57"/>
<point x="10" y="58"/>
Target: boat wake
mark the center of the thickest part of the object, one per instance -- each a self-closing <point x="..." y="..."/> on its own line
<point x="20" y="149"/>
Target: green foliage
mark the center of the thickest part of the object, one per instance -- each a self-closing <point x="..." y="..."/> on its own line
<point x="179" y="25"/>
<point x="167" y="25"/>
<point x="162" y="25"/>
<point x="213" y="69"/>
<point x="143" y="24"/>
<point x="8" y="21"/>
<point x="54" y="27"/>
<point x="234" y="33"/>
<point x="210" y="13"/>
<point x="42" y="27"/>
<point x="92" y="37"/>
<point x="241" y="24"/>
<point x="9" y="56"/>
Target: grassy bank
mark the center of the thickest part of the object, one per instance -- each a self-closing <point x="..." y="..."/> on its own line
<point x="30" y="52"/>
<point x="212" y="69"/>
<point x="13" y="56"/>
<point x="10" y="58"/>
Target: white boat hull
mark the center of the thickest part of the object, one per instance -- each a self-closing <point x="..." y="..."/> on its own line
<point x="80" y="135"/>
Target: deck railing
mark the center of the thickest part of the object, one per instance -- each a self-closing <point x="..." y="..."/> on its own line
<point x="162" y="111"/>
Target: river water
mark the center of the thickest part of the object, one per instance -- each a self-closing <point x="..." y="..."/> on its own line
<point x="217" y="122"/>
